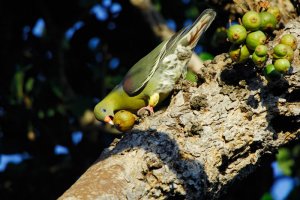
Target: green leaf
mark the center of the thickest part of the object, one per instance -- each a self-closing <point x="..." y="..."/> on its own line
<point x="267" y="196"/>
<point x="287" y="167"/>
<point x="29" y="84"/>
<point x="61" y="109"/>
<point x="192" y="12"/>
<point x="50" y="112"/>
<point x="296" y="151"/>
<point x="157" y="6"/>
<point x="17" y="86"/>
<point x="285" y="161"/>
<point x="191" y="76"/>
<point x="41" y="114"/>
<point x="205" y="56"/>
<point x="283" y="154"/>
<point x="57" y="90"/>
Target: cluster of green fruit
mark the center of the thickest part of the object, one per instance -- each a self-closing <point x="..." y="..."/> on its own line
<point x="249" y="41"/>
<point x="283" y="55"/>
<point x="250" y="36"/>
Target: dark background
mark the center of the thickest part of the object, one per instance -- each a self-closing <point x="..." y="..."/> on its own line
<point x="57" y="60"/>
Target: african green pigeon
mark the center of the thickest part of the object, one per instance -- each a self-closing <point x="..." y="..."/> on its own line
<point x="153" y="77"/>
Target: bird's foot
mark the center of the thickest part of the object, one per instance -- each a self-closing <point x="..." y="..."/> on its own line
<point x="145" y="111"/>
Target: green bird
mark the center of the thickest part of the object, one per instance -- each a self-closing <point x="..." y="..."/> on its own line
<point x="153" y="77"/>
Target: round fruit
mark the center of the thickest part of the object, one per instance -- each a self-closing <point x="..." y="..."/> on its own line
<point x="124" y="120"/>
<point x="268" y="69"/>
<point x="283" y="51"/>
<point x="234" y="52"/>
<point x="290" y="54"/>
<point x="271" y="73"/>
<point x="268" y="21"/>
<point x="244" y="55"/>
<point x="251" y="21"/>
<point x="238" y="54"/>
<point x="236" y="34"/>
<point x="261" y="50"/>
<point x="254" y="39"/>
<point x="289" y="40"/>
<point x="280" y="50"/>
<point x="258" y="60"/>
<point x="275" y="11"/>
<point x="282" y="65"/>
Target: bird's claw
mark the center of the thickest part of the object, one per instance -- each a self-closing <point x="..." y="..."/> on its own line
<point x="145" y="111"/>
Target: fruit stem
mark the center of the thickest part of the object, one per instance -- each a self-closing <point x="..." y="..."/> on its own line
<point x="240" y="21"/>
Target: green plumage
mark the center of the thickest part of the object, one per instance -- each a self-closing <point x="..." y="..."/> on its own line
<point x="153" y="77"/>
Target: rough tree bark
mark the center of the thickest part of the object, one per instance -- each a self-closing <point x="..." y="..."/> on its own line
<point x="209" y="136"/>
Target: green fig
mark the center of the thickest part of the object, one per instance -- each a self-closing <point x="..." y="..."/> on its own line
<point x="261" y="50"/>
<point x="236" y="34"/>
<point x="234" y="52"/>
<point x="271" y="74"/>
<point x="269" y="68"/>
<point x="251" y="21"/>
<point x="268" y="21"/>
<point x="290" y="54"/>
<point x="254" y="39"/>
<point x="244" y="55"/>
<point x="258" y="60"/>
<point x="289" y="40"/>
<point x="239" y="54"/>
<point x="283" y="51"/>
<point x="282" y="65"/>
<point x="124" y="120"/>
<point x="280" y="50"/>
<point x="274" y="10"/>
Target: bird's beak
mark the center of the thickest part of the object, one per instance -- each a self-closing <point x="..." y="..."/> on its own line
<point x="108" y="119"/>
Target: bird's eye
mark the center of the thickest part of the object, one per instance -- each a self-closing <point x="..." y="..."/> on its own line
<point x="104" y="110"/>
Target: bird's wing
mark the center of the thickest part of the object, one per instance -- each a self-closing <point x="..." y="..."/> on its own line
<point x="139" y="75"/>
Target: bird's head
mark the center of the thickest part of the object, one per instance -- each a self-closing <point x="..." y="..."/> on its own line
<point x="104" y="113"/>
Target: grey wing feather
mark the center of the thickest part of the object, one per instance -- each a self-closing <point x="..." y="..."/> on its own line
<point x="139" y="75"/>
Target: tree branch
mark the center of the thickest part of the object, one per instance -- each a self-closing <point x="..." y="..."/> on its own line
<point x="209" y="136"/>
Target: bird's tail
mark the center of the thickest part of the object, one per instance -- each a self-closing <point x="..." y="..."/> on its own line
<point x="191" y="35"/>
